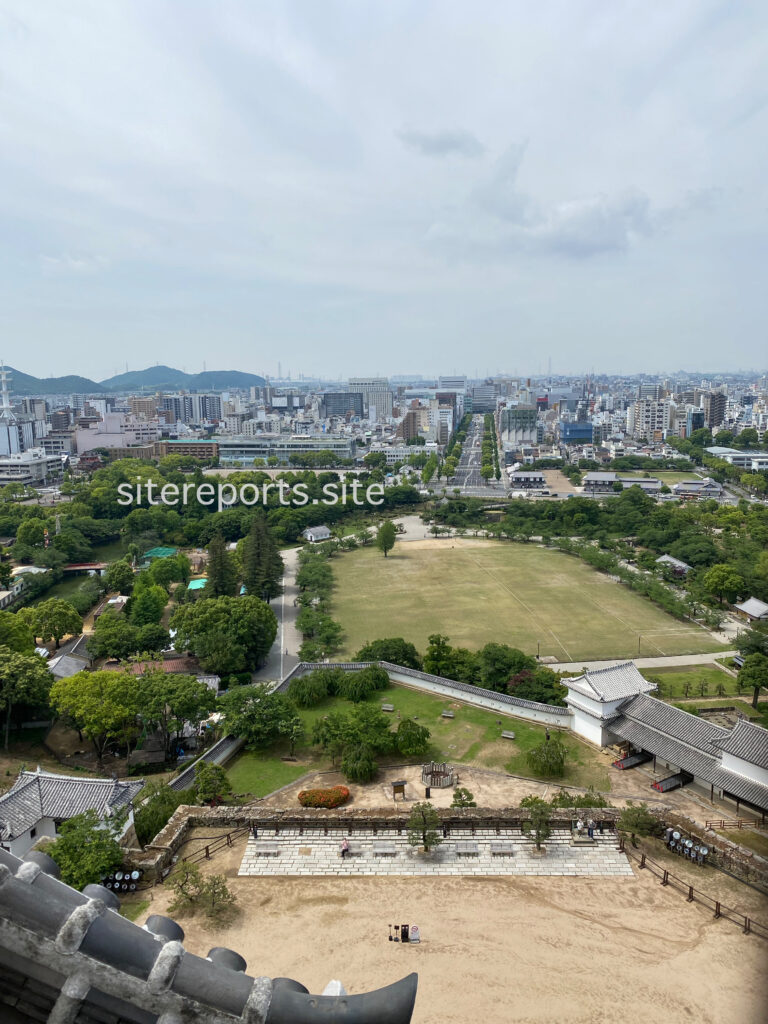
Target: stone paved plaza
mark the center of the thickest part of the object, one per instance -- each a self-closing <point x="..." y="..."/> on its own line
<point x="487" y="852"/>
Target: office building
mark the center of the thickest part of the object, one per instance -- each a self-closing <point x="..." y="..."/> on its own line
<point x="377" y="396"/>
<point x="340" y="403"/>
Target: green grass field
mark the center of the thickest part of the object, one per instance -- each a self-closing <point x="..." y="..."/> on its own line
<point x="673" y="681"/>
<point x="472" y="737"/>
<point x="476" y="591"/>
<point x="667" y="477"/>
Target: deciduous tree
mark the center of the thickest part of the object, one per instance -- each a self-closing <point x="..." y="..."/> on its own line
<point x="86" y="848"/>
<point x="24" y="679"/>
<point x="386" y="536"/>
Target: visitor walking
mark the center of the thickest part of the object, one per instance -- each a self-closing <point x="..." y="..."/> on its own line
<point x="344" y="847"/>
<point x="579" y="828"/>
<point x="591" y="828"/>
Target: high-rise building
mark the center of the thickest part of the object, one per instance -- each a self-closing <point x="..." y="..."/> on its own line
<point x="694" y="420"/>
<point x="517" y="424"/>
<point x="648" y="417"/>
<point x="484" y="398"/>
<point x="714" y="408"/>
<point x="377" y="396"/>
<point x="654" y="391"/>
<point x="339" y="403"/>
<point x="143" y="408"/>
<point x="457" y="384"/>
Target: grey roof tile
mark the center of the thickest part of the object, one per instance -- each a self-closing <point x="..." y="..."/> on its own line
<point x="612" y="683"/>
<point x="37" y="795"/>
<point x="747" y="741"/>
<point x="677" y="724"/>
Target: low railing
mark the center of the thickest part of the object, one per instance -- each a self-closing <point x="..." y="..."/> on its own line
<point x="748" y="925"/>
<point x="219" y="842"/>
<point x="724" y="823"/>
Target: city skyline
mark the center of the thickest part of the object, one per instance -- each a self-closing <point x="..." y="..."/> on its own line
<point x="400" y="186"/>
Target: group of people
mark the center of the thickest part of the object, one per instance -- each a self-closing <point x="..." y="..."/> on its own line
<point x="590" y="828"/>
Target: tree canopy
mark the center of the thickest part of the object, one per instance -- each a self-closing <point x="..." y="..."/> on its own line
<point x="227" y="634"/>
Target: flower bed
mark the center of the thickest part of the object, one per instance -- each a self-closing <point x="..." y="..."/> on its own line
<point x="334" y="796"/>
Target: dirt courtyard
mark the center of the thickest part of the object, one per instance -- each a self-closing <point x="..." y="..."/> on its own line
<point x="503" y="950"/>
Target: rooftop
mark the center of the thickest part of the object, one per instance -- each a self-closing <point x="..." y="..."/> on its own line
<point x="754" y="607"/>
<point x="613" y="683"/>
<point x="40" y="794"/>
<point x="748" y="742"/>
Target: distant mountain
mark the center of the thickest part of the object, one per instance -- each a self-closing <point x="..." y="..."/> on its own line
<point x="154" y="378"/>
<point x="165" y="377"/>
<point x="25" y="384"/>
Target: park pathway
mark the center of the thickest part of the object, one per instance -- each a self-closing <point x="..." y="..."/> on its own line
<point x="288" y="638"/>
<point x="672" y="661"/>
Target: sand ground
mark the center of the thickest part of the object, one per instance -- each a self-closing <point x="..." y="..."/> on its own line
<point x="505" y="950"/>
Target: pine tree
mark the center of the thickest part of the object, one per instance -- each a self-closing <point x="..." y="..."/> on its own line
<point x="222" y="578"/>
<point x="262" y="564"/>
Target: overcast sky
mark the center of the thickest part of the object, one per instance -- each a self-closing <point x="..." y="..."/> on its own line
<point x="393" y="187"/>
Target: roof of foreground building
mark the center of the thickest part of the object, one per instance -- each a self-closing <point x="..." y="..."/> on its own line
<point x="67" y="956"/>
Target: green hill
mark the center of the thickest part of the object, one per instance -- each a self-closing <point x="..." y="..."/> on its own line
<point x="154" y="378"/>
<point x="25" y="384"/>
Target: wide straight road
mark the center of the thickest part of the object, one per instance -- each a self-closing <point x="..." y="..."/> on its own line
<point x="468" y="477"/>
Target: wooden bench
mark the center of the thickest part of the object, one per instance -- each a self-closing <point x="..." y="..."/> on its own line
<point x="508" y="735"/>
<point x="387" y="707"/>
<point x="447" y="714"/>
<point x="265" y="849"/>
<point x="501" y="848"/>
<point x="466" y="848"/>
<point x="384" y="849"/>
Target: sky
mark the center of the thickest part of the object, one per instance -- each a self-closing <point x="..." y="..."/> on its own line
<point x="344" y="188"/>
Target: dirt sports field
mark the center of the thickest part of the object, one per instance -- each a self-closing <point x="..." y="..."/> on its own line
<point x="503" y="950"/>
<point x="476" y="591"/>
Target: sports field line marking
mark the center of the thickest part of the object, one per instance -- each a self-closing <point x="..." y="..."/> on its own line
<point x="521" y="602"/>
<point x="608" y="611"/>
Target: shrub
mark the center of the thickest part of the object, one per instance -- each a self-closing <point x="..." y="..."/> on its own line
<point x="357" y="686"/>
<point x="358" y="764"/>
<point x="332" y="797"/>
<point x="548" y="758"/>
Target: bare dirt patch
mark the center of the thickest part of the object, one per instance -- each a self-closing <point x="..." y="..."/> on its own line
<point x="504" y="951"/>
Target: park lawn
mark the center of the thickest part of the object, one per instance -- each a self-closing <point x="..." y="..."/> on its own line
<point x="472" y="737"/>
<point x="673" y="681"/>
<point x="260" y="772"/>
<point x="668" y="477"/>
<point x="475" y="591"/>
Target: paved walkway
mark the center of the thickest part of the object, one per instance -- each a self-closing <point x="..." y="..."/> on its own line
<point x="288" y="638"/>
<point x="289" y="853"/>
<point x="666" y="662"/>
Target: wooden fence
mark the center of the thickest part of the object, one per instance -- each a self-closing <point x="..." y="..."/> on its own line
<point x="748" y="925"/>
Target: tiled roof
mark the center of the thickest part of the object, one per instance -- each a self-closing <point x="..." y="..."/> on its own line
<point x="747" y="741"/>
<point x="742" y="787"/>
<point x="67" y="665"/>
<point x="685" y="756"/>
<point x="37" y="795"/>
<point x="753" y="607"/>
<point x="73" y="951"/>
<point x="612" y="683"/>
<point x="677" y="724"/>
<point x="669" y="560"/>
